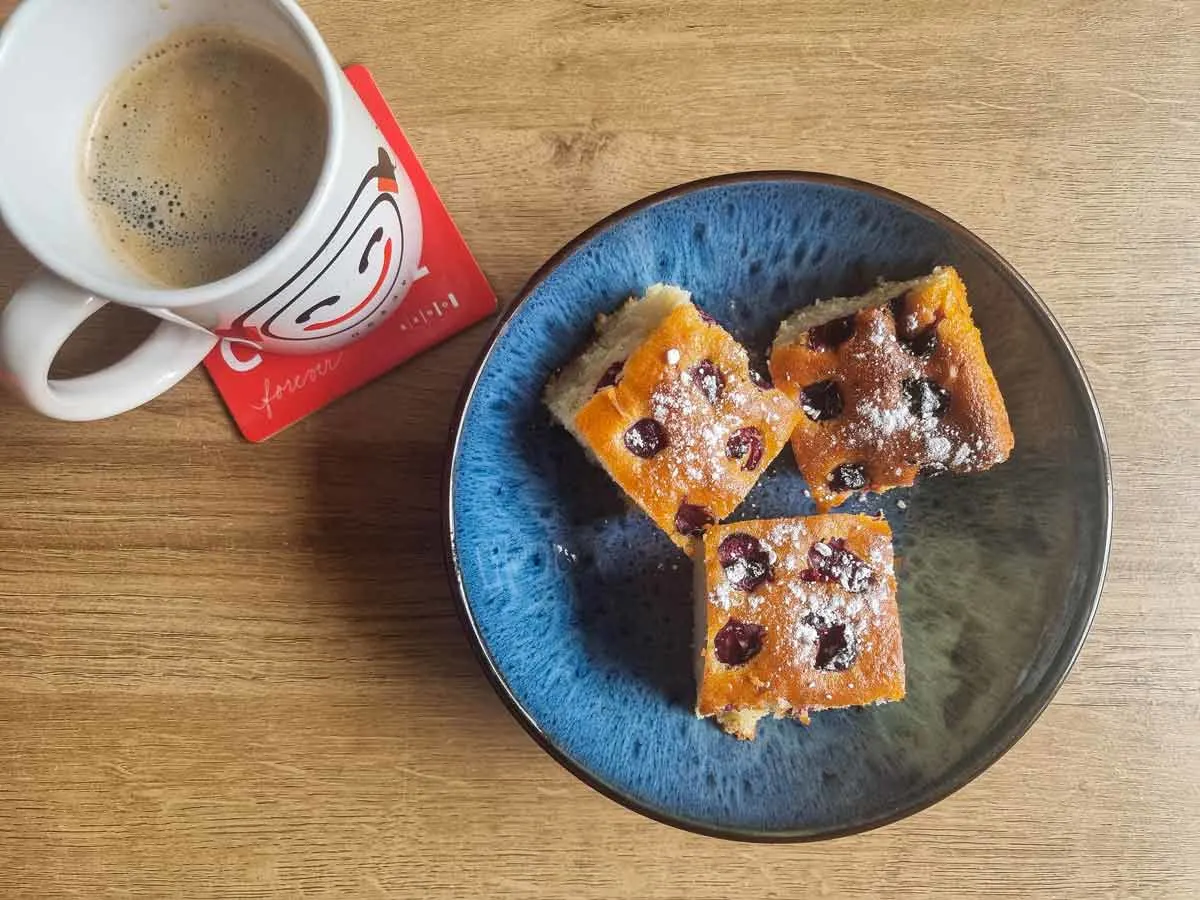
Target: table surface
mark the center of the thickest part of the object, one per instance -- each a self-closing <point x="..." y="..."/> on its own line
<point x="235" y="670"/>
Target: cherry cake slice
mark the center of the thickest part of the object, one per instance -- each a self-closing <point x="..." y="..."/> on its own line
<point x="665" y="401"/>
<point x="795" y="616"/>
<point x="891" y="385"/>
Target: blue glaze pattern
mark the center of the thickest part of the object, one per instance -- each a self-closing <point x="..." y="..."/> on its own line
<point x="583" y="609"/>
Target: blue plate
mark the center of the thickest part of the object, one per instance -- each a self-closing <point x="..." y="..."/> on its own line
<point x="581" y="610"/>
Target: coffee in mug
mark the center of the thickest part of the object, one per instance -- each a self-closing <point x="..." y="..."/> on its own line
<point x="202" y="155"/>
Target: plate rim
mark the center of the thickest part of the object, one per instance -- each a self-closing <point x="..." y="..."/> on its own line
<point x="1009" y="728"/>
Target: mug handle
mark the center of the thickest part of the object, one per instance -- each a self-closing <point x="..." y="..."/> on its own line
<point x="37" y="321"/>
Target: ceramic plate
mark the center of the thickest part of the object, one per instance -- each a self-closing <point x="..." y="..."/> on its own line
<point x="581" y="610"/>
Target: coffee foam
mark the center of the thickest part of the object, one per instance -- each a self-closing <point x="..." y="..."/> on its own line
<point x="202" y="155"/>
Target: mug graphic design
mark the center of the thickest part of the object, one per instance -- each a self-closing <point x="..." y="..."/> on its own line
<point x="356" y="278"/>
<point x="447" y="291"/>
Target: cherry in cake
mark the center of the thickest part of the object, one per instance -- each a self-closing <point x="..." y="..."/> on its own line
<point x="795" y="616"/>
<point x="889" y="385"/>
<point x="665" y="400"/>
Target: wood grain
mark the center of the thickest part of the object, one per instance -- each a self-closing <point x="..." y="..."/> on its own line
<point x="235" y="671"/>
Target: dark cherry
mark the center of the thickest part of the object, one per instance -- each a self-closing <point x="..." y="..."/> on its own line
<point x="645" y="437"/>
<point x="746" y="444"/>
<point x="920" y="342"/>
<point x="836" y="647"/>
<point x="923" y="343"/>
<point x="761" y="381"/>
<point x="849" y="477"/>
<point x="745" y="560"/>
<point x="709" y="379"/>
<point x="905" y="324"/>
<point x="692" y="520"/>
<point x="831" y="561"/>
<point x="610" y="376"/>
<point x="738" y="642"/>
<point x="831" y="335"/>
<point x="926" y="398"/>
<point x="822" y="400"/>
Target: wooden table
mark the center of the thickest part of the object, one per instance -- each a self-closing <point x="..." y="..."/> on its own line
<point x="233" y="670"/>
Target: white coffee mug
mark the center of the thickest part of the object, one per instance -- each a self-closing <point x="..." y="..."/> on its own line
<point x="347" y="261"/>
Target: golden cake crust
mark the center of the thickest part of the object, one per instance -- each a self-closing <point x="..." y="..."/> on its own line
<point x="669" y="380"/>
<point x="787" y="676"/>
<point x="925" y="401"/>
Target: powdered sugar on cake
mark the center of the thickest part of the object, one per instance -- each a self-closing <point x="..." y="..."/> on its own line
<point x="882" y="419"/>
<point x="698" y="431"/>
<point x="788" y="544"/>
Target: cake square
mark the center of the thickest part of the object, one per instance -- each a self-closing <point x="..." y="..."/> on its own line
<point x="665" y="401"/>
<point x="893" y="384"/>
<point x="795" y="616"/>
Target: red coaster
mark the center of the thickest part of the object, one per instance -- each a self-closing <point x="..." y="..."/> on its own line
<point x="267" y="392"/>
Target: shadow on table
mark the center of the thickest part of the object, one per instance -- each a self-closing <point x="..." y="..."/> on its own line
<point x="375" y="527"/>
<point x="15" y="264"/>
<point x="107" y="337"/>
